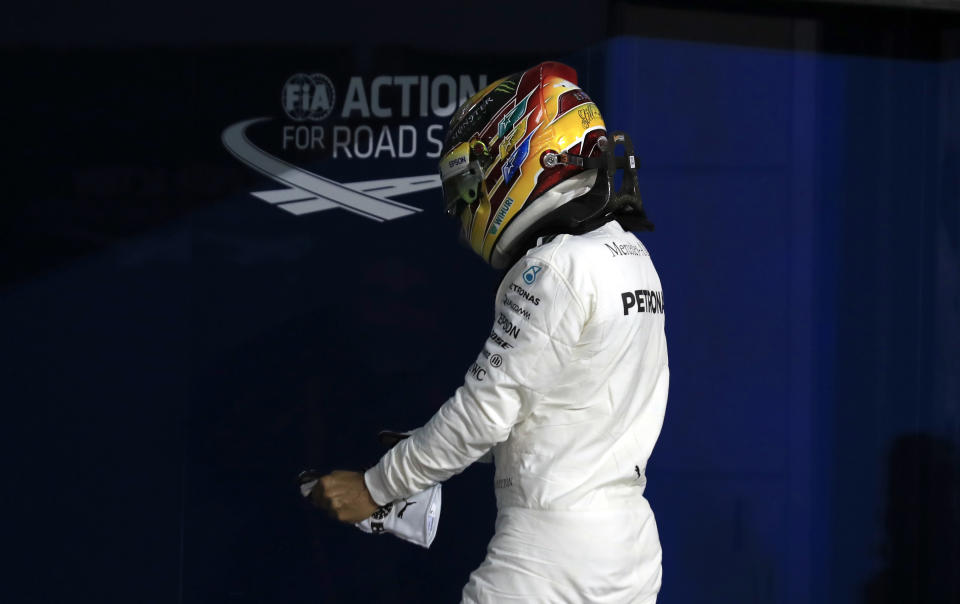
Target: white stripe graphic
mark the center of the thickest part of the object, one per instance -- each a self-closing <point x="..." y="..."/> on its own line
<point x="390" y="187"/>
<point x="300" y="208"/>
<point x="283" y="195"/>
<point x="312" y="193"/>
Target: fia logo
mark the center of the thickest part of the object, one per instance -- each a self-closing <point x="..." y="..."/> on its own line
<point x="308" y="97"/>
<point x="530" y="275"/>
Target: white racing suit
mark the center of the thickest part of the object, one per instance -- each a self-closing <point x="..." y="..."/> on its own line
<point x="569" y="392"/>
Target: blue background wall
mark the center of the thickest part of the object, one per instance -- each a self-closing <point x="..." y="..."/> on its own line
<point x="167" y="387"/>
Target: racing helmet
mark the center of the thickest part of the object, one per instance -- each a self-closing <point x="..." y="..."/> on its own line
<point x="529" y="155"/>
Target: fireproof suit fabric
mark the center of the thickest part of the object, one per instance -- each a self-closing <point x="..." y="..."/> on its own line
<point x="569" y="392"/>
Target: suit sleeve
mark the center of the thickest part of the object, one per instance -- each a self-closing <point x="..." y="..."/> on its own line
<point x="538" y="320"/>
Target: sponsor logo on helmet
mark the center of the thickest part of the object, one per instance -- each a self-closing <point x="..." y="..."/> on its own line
<point x="506" y="86"/>
<point x="530" y="275"/>
<point x="501" y="214"/>
<point x="455" y="162"/>
<point x="471" y="121"/>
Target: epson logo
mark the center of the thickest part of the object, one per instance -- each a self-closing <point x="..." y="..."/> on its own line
<point x="508" y="327"/>
<point x="457" y="161"/>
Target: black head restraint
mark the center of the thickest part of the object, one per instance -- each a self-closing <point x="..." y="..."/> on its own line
<point x="604" y="202"/>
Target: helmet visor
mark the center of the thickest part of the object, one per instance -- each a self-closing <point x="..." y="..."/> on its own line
<point x="462" y="189"/>
<point x="461" y="175"/>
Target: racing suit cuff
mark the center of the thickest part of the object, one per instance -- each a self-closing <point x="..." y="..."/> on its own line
<point x="377" y="486"/>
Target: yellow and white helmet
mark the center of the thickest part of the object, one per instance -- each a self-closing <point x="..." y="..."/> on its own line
<point x="519" y="151"/>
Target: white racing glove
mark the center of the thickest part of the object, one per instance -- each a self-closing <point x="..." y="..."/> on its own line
<point x="414" y="519"/>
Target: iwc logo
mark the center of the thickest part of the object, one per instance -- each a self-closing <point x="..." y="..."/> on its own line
<point x="308" y="97"/>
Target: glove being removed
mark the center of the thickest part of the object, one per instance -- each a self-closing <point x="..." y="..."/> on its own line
<point x="414" y="519"/>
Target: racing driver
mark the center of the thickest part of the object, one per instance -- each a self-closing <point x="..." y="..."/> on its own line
<point x="570" y="389"/>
